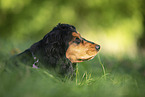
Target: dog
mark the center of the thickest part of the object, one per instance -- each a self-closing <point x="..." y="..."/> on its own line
<point x="59" y="49"/>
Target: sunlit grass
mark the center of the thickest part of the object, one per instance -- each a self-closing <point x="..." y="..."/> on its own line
<point x="102" y="66"/>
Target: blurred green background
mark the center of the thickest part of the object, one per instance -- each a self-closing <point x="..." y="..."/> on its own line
<point x="117" y="25"/>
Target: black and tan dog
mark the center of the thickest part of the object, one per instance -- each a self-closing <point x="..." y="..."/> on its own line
<point x="61" y="48"/>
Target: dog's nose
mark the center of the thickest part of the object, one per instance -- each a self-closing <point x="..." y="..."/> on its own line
<point x="97" y="47"/>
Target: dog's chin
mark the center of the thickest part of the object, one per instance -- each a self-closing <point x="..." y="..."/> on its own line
<point x="83" y="59"/>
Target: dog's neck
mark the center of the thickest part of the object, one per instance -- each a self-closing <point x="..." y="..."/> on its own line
<point x="36" y="60"/>
<point x="61" y="65"/>
<point x="50" y="60"/>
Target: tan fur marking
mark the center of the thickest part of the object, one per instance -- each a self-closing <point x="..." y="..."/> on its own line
<point x="80" y="52"/>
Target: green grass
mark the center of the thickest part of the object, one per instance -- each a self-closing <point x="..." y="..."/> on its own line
<point x="100" y="77"/>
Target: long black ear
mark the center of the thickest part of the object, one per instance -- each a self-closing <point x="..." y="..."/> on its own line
<point x="57" y="40"/>
<point x="59" y="33"/>
<point x="52" y="37"/>
<point x="54" y="43"/>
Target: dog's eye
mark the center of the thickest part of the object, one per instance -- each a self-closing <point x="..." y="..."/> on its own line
<point x="77" y="40"/>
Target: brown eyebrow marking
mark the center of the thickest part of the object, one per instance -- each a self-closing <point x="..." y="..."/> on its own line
<point x="76" y="34"/>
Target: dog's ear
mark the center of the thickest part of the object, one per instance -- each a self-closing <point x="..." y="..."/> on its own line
<point x="54" y="43"/>
<point x="55" y="36"/>
<point x="58" y="34"/>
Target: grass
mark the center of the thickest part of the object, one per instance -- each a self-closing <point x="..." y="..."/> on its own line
<point x="102" y="66"/>
<point x="101" y="77"/>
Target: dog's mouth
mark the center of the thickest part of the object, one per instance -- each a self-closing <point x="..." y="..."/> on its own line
<point x="85" y="59"/>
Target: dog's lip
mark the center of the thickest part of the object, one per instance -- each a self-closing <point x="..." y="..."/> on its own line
<point x="85" y="59"/>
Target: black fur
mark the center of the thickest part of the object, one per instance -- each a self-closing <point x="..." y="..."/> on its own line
<point x="51" y="50"/>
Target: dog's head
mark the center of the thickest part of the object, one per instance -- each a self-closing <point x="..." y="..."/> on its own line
<point x="80" y="49"/>
<point x="65" y="40"/>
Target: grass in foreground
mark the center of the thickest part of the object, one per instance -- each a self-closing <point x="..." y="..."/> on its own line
<point x="90" y="81"/>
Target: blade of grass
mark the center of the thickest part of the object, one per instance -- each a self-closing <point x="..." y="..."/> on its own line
<point x="76" y="74"/>
<point x="104" y="72"/>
